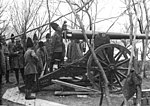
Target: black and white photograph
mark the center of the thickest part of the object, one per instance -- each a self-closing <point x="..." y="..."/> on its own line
<point x="74" y="53"/>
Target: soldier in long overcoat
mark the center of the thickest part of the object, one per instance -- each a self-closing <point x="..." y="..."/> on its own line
<point x="35" y="42"/>
<point x="58" y="47"/>
<point x="6" y="53"/>
<point x="11" y="45"/>
<point x="42" y="55"/>
<point x="18" y="60"/>
<point x="30" y="70"/>
<point x="2" y="69"/>
<point x="48" y="47"/>
<point x="74" y="51"/>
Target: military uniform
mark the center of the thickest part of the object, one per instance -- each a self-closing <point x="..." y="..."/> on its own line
<point x="11" y="55"/>
<point x="30" y="62"/>
<point x="74" y="51"/>
<point x="6" y="53"/>
<point x="2" y="70"/>
<point x="18" y="60"/>
<point x="42" y="55"/>
<point x="48" y="47"/>
<point x="58" y="48"/>
<point x="30" y="71"/>
<point x="35" y="39"/>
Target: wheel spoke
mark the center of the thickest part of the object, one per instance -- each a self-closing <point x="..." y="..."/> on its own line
<point x="111" y="54"/>
<point x="97" y="78"/>
<point x="122" y="62"/>
<point x="105" y="68"/>
<point x="122" y="68"/>
<point x="101" y="61"/>
<point x="111" y="78"/>
<point x="105" y="56"/>
<point x="95" y="84"/>
<point x="118" y="80"/>
<point x="117" y="54"/>
<point x="100" y="57"/>
<point x="120" y="77"/>
<point x="112" y="49"/>
<point x="118" y="57"/>
<point x="121" y="74"/>
<point x="96" y="68"/>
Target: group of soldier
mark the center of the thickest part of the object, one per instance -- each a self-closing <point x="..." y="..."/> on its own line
<point x="30" y="59"/>
<point x="11" y="59"/>
<point x="34" y="57"/>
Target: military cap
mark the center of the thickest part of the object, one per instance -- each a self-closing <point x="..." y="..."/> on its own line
<point x="35" y="37"/>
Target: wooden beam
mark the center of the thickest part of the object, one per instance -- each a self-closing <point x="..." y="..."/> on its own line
<point x="65" y="93"/>
<point x="44" y="69"/>
<point x="75" y="86"/>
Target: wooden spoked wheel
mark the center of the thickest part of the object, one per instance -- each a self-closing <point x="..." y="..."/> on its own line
<point x="114" y="60"/>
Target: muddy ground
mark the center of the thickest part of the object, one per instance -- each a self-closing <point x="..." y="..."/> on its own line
<point x="73" y="100"/>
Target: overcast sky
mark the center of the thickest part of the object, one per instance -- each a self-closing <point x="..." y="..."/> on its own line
<point x="106" y="8"/>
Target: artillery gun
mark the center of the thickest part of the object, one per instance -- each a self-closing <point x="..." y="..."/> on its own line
<point x="114" y="59"/>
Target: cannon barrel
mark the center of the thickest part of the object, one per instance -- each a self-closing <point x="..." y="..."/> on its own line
<point x="77" y="34"/>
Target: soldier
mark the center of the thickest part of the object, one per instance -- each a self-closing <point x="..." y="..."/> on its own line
<point x="11" y="45"/>
<point x="30" y="71"/>
<point x="48" y="47"/>
<point x="6" y="53"/>
<point x="18" y="60"/>
<point x="42" y="55"/>
<point x="58" y="47"/>
<point x="82" y="46"/>
<point x="35" y="42"/>
<point x="74" y="51"/>
<point x="2" y="69"/>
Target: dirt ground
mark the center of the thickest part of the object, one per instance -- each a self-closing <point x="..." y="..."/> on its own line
<point x="48" y="94"/>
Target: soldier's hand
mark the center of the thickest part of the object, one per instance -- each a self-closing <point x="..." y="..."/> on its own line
<point x="17" y="52"/>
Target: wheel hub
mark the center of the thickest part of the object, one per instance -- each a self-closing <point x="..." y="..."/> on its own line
<point x="112" y="67"/>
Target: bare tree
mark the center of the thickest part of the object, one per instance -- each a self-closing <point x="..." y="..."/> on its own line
<point x="4" y="22"/>
<point x="39" y="21"/>
<point x="147" y="34"/>
<point x="49" y="16"/>
<point x="94" y="56"/>
<point x="23" y="17"/>
<point x="141" y="13"/>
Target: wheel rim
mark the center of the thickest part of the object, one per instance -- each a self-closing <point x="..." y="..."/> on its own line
<point x="114" y="60"/>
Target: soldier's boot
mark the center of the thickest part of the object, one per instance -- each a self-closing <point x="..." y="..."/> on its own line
<point x="28" y="95"/>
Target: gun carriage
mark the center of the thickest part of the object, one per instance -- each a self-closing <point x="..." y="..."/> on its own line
<point x="114" y="59"/>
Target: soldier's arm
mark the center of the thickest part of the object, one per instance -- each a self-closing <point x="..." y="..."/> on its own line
<point x="5" y="50"/>
<point x="53" y="42"/>
<point x="11" y="50"/>
<point x="15" y="52"/>
<point x="45" y="53"/>
<point x="40" y="62"/>
<point x="9" y="47"/>
<point x="33" y="54"/>
<point x="3" y="63"/>
<point x="21" y="51"/>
